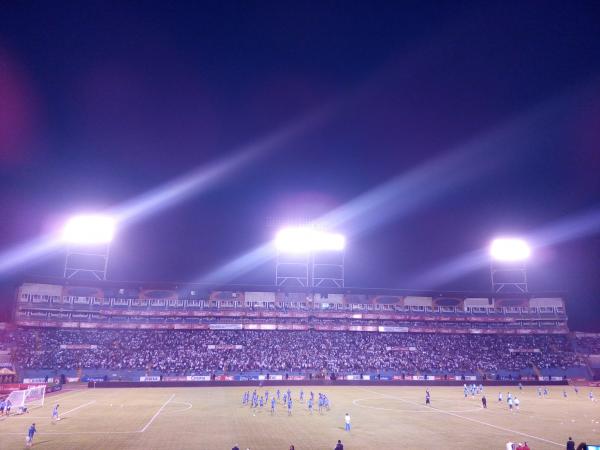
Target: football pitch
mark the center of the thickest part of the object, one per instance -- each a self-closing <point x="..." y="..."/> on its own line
<point x="382" y="418"/>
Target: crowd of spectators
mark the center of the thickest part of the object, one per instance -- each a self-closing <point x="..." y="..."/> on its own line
<point x="188" y="351"/>
<point x="589" y="345"/>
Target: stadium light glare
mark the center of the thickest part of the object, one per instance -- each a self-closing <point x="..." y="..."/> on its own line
<point x="509" y="249"/>
<point x="89" y="229"/>
<point x="306" y="240"/>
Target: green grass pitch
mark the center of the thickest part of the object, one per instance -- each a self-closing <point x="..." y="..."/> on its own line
<point x="382" y="418"/>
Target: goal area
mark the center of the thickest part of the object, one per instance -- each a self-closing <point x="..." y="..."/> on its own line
<point x="27" y="398"/>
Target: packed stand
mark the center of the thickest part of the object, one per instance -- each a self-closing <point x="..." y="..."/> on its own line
<point x="187" y="351"/>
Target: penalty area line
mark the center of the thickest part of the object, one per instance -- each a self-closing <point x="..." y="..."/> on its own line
<point x="156" y="414"/>
<point x="441" y="411"/>
<point x="78" y="407"/>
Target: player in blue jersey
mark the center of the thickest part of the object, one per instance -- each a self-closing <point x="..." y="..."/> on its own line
<point x="591" y="396"/>
<point x="278" y="394"/>
<point x="30" y="434"/>
<point x="260" y="401"/>
<point x="285" y="398"/>
<point x="289" y="405"/>
<point x="267" y="397"/>
<point x="310" y="406"/>
<point x="55" y="413"/>
<point x="539" y="392"/>
<point x="427" y="397"/>
<point x="545" y="391"/>
<point x="301" y="395"/>
<point x="273" y="405"/>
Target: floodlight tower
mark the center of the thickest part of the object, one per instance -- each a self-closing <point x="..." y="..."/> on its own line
<point x="508" y="268"/>
<point x="87" y="239"/>
<point x="307" y="257"/>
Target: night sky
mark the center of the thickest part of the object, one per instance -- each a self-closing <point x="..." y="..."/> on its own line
<point x="454" y="121"/>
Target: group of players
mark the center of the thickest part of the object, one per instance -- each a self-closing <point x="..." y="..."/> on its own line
<point x="512" y="401"/>
<point x="257" y="401"/>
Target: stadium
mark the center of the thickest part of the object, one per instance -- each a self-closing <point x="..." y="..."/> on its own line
<point x="133" y="362"/>
<point x="299" y="225"/>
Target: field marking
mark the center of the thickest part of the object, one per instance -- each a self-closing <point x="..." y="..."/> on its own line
<point x="23" y="416"/>
<point x="441" y="411"/>
<point x="189" y="406"/>
<point x="69" y="433"/>
<point x="157" y="413"/>
<point x="356" y="402"/>
<point x="78" y="407"/>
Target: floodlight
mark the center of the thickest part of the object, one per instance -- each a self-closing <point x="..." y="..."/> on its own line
<point x="509" y="249"/>
<point x="306" y="240"/>
<point x="90" y="229"/>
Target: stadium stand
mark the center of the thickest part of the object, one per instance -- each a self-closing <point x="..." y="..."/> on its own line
<point x="130" y="329"/>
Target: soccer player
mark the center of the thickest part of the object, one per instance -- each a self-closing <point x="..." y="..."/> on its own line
<point x="427" y="397"/>
<point x="289" y="405"/>
<point x="564" y="393"/>
<point x="517" y="403"/>
<point x="301" y="395"/>
<point x="520" y="386"/>
<point x="267" y="397"/>
<point x="310" y="406"/>
<point x="510" y="404"/>
<point x="7" y="406"/>
<point x="576" y="389"/>
<point x="484" y="401"/>
<point x="539" y="392"/>
<point x="465" y="391"/>
<point x="272" y="405"/>
<point x="339" y="446"/>
<point x="347" y="421"/>
<point x="499" y="396"/>
<point x="2" y="404"/>
<point x="278" y="394"/>
<point x="545" y="391"/>
<point x="260" y="401"/>
<point x="591" y="396"/>
<point x="55" y="413"/>
<point x="30" y="434"/>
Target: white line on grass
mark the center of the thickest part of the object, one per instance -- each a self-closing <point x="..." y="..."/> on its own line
<point x="441" y="411"/>
<point x="70" y="433"/>
<point x="157" y="413"/>
<point x="78" y="407"/>
<point x="27" y="417"/>
<point x="189" y="406"/>
<point x="356" y="402"/>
